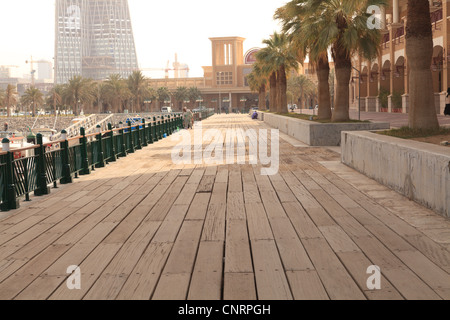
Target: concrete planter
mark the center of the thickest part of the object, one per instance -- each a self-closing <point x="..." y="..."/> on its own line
<point x="318" y="134"/>
<point x="420" y="171"/>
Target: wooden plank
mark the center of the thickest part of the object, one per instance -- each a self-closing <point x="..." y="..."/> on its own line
<point x="162" y="207"/>
<point x="405" y="281"/>
<point x="291" y="250"/>
<point x="222" y="175"/>
<point x="431" y="250"/>
<point x="182" y="257"/>
<point x="284" y="193"/>
<point x="357" y="264"/>
<point x="172" y="287"/>
<point x="389" y="238"/>
<point x="235" y="206"/>
<point x="237" y="248"/>
<point x="338" y="283"/>
<point x="199" y="207"/>
<point x="186" y="196"/>
<point x="239" y="287"/>
<point x="116" y="273"/>
<point x="196" y="176"/>
<point x="13" y="285"/>
<point x="176" y="275"/>
<point x="338" y="239"/>
<point x="306" y="285"/>
<point x="409" y="285"/>
<point x="142" y="281"/>
<point x="302" y="223"/>
<point x="206" y="282"/>
<point x="271" y="282"/>
<point x="258" y="224"/>
<point x="235" y="180"/>
<point x="214" y="228"/>
<point x="171" y="225"/>
<point x="40" y="288"/>
<point x="206" y="184"/>
<point x="91" y="268"/>
<point x="431" y="274"/>
<point x="250" y="188"/>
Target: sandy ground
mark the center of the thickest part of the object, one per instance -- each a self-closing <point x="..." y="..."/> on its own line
<point x="435" y="139"/>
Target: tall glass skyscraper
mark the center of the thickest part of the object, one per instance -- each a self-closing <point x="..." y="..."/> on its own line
<point x="94" y="39"/>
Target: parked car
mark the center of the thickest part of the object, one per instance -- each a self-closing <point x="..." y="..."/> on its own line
<point x="166" y="110"/>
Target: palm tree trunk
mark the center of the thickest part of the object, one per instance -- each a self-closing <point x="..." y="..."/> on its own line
<point x="282" y="88"/>
<point x="419" y="50"/>
<point x="262" y="98"/>
<point x="8" y="109"/>
<point x="343" y="72"/>
<point x="273" y="92"/>
<point x="323" y="75"/>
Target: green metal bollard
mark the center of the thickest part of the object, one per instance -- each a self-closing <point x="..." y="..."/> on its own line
<point x="84" y="154"/>
<point x="113" y="157"/>
<point x="150" y="133"/>
<point x="131" y="139"/>
<point x="101" y="156"/>
<point x="10" y="201"/>
<point x="170" y="125"/>
<point x="124" y="147"/>
<point x="42" y="188"/>
<point x="155" y="130"/>
<point x="66" y="170"/>
<point x="158" y="130"/>
<point x="139" y="139"/>
<point x="145" y="134"/>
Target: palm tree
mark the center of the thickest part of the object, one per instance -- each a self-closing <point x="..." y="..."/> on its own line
<point x="419" y="50"/>
<point x="180" y="95"/>
<point x="305" y="43"/>
<point x="193" y="94"/>
<point x="100" y="94"/>
<point x="342" y="26"/>
<point x="163" y="94"/>
<point x="137" y="85"/>
<point x="116" y="92"/>
<point x="278" y="57"/>
<point x="78" y="90"/>
<point x="10" y="98"/>
<point x="150" y="95"/>
<point x="300" y="87"/>
<point x="55" y="97"/>
<point x="33" y="97"/>
<point x="257" y="80"/>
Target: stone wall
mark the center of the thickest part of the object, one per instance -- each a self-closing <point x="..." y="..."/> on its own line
<point x="420" y="171"/>
<point x="318" y="134"/>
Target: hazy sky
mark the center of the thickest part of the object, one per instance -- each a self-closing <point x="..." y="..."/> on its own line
<point x="161" y="28"/>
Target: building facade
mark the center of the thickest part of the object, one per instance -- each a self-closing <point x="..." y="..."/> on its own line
<point x="383" y="85"/>
<point x="44" y="70"/>
<point x="224" y="86"/>
<point x="94" y="39"/>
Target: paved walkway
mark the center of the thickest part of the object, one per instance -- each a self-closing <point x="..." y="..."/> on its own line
<point x="144" y="228"/>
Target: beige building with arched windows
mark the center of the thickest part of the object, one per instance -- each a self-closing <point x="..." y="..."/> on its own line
<point x="224" y="80"/>
<point x="389" y="72"/>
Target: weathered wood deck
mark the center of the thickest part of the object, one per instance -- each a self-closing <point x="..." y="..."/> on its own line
<point x="144" y="228"/>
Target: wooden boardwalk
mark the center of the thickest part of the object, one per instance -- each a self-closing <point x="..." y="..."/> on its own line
<point x="144" y="228"/>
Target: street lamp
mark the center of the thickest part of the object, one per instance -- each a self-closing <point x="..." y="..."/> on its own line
<point x="359" y="93"/>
